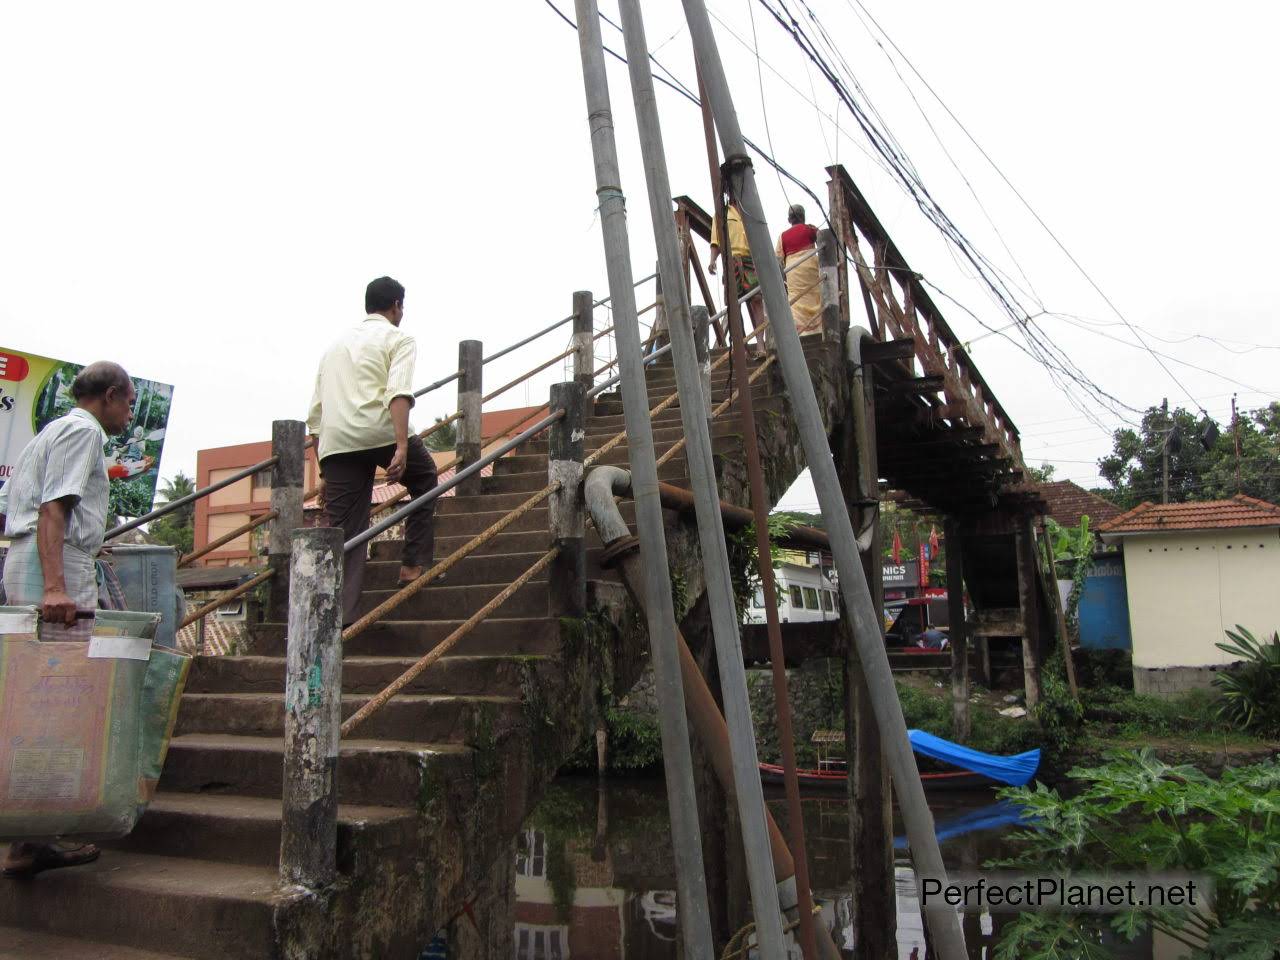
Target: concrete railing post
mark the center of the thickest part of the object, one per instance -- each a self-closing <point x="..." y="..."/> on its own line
<point x="287" y="476"/>
<point x="566" y="510"/>
<point x="313" y="710"/>
<point x="583" y="324"/>
<point x="829" y="283"/>
<point x="470" y="390"/>
<point x="700" y="318"/>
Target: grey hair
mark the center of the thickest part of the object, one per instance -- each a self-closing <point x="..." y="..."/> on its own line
<point x="97" y="378"/>
<point x="795" y="214"/>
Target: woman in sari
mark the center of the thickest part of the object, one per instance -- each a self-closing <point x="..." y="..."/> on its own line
<point x="797" y="242"/>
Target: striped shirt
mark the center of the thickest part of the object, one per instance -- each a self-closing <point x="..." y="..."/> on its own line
<point x="368" y="367"/>
<point x="64" y="460"/>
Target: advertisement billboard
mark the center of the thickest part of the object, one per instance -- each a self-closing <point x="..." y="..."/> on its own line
<point x="35" y="390"/>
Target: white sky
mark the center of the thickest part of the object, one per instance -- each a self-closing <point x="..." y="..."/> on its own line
<point x="203" y="193"/>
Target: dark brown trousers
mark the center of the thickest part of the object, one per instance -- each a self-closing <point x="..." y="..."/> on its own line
<point x="348" y="482"/>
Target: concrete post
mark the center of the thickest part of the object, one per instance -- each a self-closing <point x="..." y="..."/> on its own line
<point x="958" y="635"/>
<point x="470" y="390"/>
<point x="567" y="516"/>
<point x="313" y="710"/>
<point x="829" y="261"/>
<point x="287" y="439"/>
<point x="701" y="320"/>
<point x="583" y="322"/>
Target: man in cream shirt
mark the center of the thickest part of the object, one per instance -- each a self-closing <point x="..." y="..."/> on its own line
<point x="359" y="421"/>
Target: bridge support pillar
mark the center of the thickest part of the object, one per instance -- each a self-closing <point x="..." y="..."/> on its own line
<point x="1028" y="572"/>
<point x="470" y="391"/>
<point x="567" y="514"/>
<point x="313" y="710"/>
<point x="870" y="799"/>
<point x="288" y="438"/>
<point x="959" y="635"/>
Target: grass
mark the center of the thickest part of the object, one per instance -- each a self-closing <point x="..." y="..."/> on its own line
<point x="1121" y="717"/>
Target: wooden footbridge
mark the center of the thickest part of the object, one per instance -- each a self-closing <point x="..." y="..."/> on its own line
<point x="432" y="787"/>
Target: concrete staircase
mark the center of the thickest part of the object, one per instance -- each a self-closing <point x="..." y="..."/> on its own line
<point x="432" y="789"/>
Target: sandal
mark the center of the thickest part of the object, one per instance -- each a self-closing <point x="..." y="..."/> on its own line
<point x="28" y="859"/>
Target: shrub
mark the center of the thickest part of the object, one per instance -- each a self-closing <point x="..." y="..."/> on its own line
<point x="1251" y="689"/>
<point x="1059" y="715"/>
<point x="1136" y="813"/>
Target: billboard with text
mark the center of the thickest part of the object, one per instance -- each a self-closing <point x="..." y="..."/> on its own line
<point x="35" y="390"/>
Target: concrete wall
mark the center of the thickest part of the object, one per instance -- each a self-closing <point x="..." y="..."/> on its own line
<point x="1186" y="589"/>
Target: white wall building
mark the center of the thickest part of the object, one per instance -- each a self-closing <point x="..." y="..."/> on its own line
<point x="1194" y="571"/>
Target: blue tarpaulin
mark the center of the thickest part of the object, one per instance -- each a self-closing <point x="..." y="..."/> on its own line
<point x="990" y="817"/>
<point x="1015" y="771"/>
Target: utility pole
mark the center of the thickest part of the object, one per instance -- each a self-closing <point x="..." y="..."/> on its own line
<point x="1164" y="449"/>
<point x="1235" y="439"/>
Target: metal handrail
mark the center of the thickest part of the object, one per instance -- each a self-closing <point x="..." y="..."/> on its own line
<point x="172" y="505"/>
<point x="441" y="488"/>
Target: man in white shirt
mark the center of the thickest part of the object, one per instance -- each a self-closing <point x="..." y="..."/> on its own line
<point x="55" y="510"/>
<point x="359" y="421"/>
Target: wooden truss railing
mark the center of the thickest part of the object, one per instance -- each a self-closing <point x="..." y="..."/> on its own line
<point x="899" y="307"/>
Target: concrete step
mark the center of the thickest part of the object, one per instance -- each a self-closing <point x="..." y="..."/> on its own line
<point x="246" y="830"/>
<point x="459" y="675"/>
<point x="19" y="944"/>
<point x="485" y="502"/>
<point x="193" y="908"/>
<point x="504" y="543"/>
<point x="609" y="419"/>
<point x="412" y="638"/>
<point x="662" y="434"/>
<point x="477" y="521"/>
<point x="434" y="718"/>
<point x="521" y="463"/>
<point x="472" y="569"/>
<point x="386" y="773"/>
<point x="447" y="602"/>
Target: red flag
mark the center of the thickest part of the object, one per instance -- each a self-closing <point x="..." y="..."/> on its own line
<point x="924" y="565"/>
<point x="897" y="547"/>
<point x="933" y="543"/>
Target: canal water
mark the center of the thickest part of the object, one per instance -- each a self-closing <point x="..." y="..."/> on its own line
<point x="595" y="878"/>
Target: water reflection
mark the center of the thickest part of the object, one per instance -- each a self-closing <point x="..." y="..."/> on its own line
<point x="595" y="877"/>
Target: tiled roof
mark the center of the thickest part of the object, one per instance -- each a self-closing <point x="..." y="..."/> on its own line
<point x="220" y="637"/>
<point x="1239" y="511"/>
<point x="1069" y="501"/>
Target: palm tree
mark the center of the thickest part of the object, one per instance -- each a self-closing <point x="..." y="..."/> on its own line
<point x="177" y="529"/>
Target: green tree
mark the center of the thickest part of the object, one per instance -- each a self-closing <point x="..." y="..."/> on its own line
<point x="176" y="529"/>
<point x="1202" y="460"/>
<point x="444" y="438"/>
<point x="1041" y="474"/>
